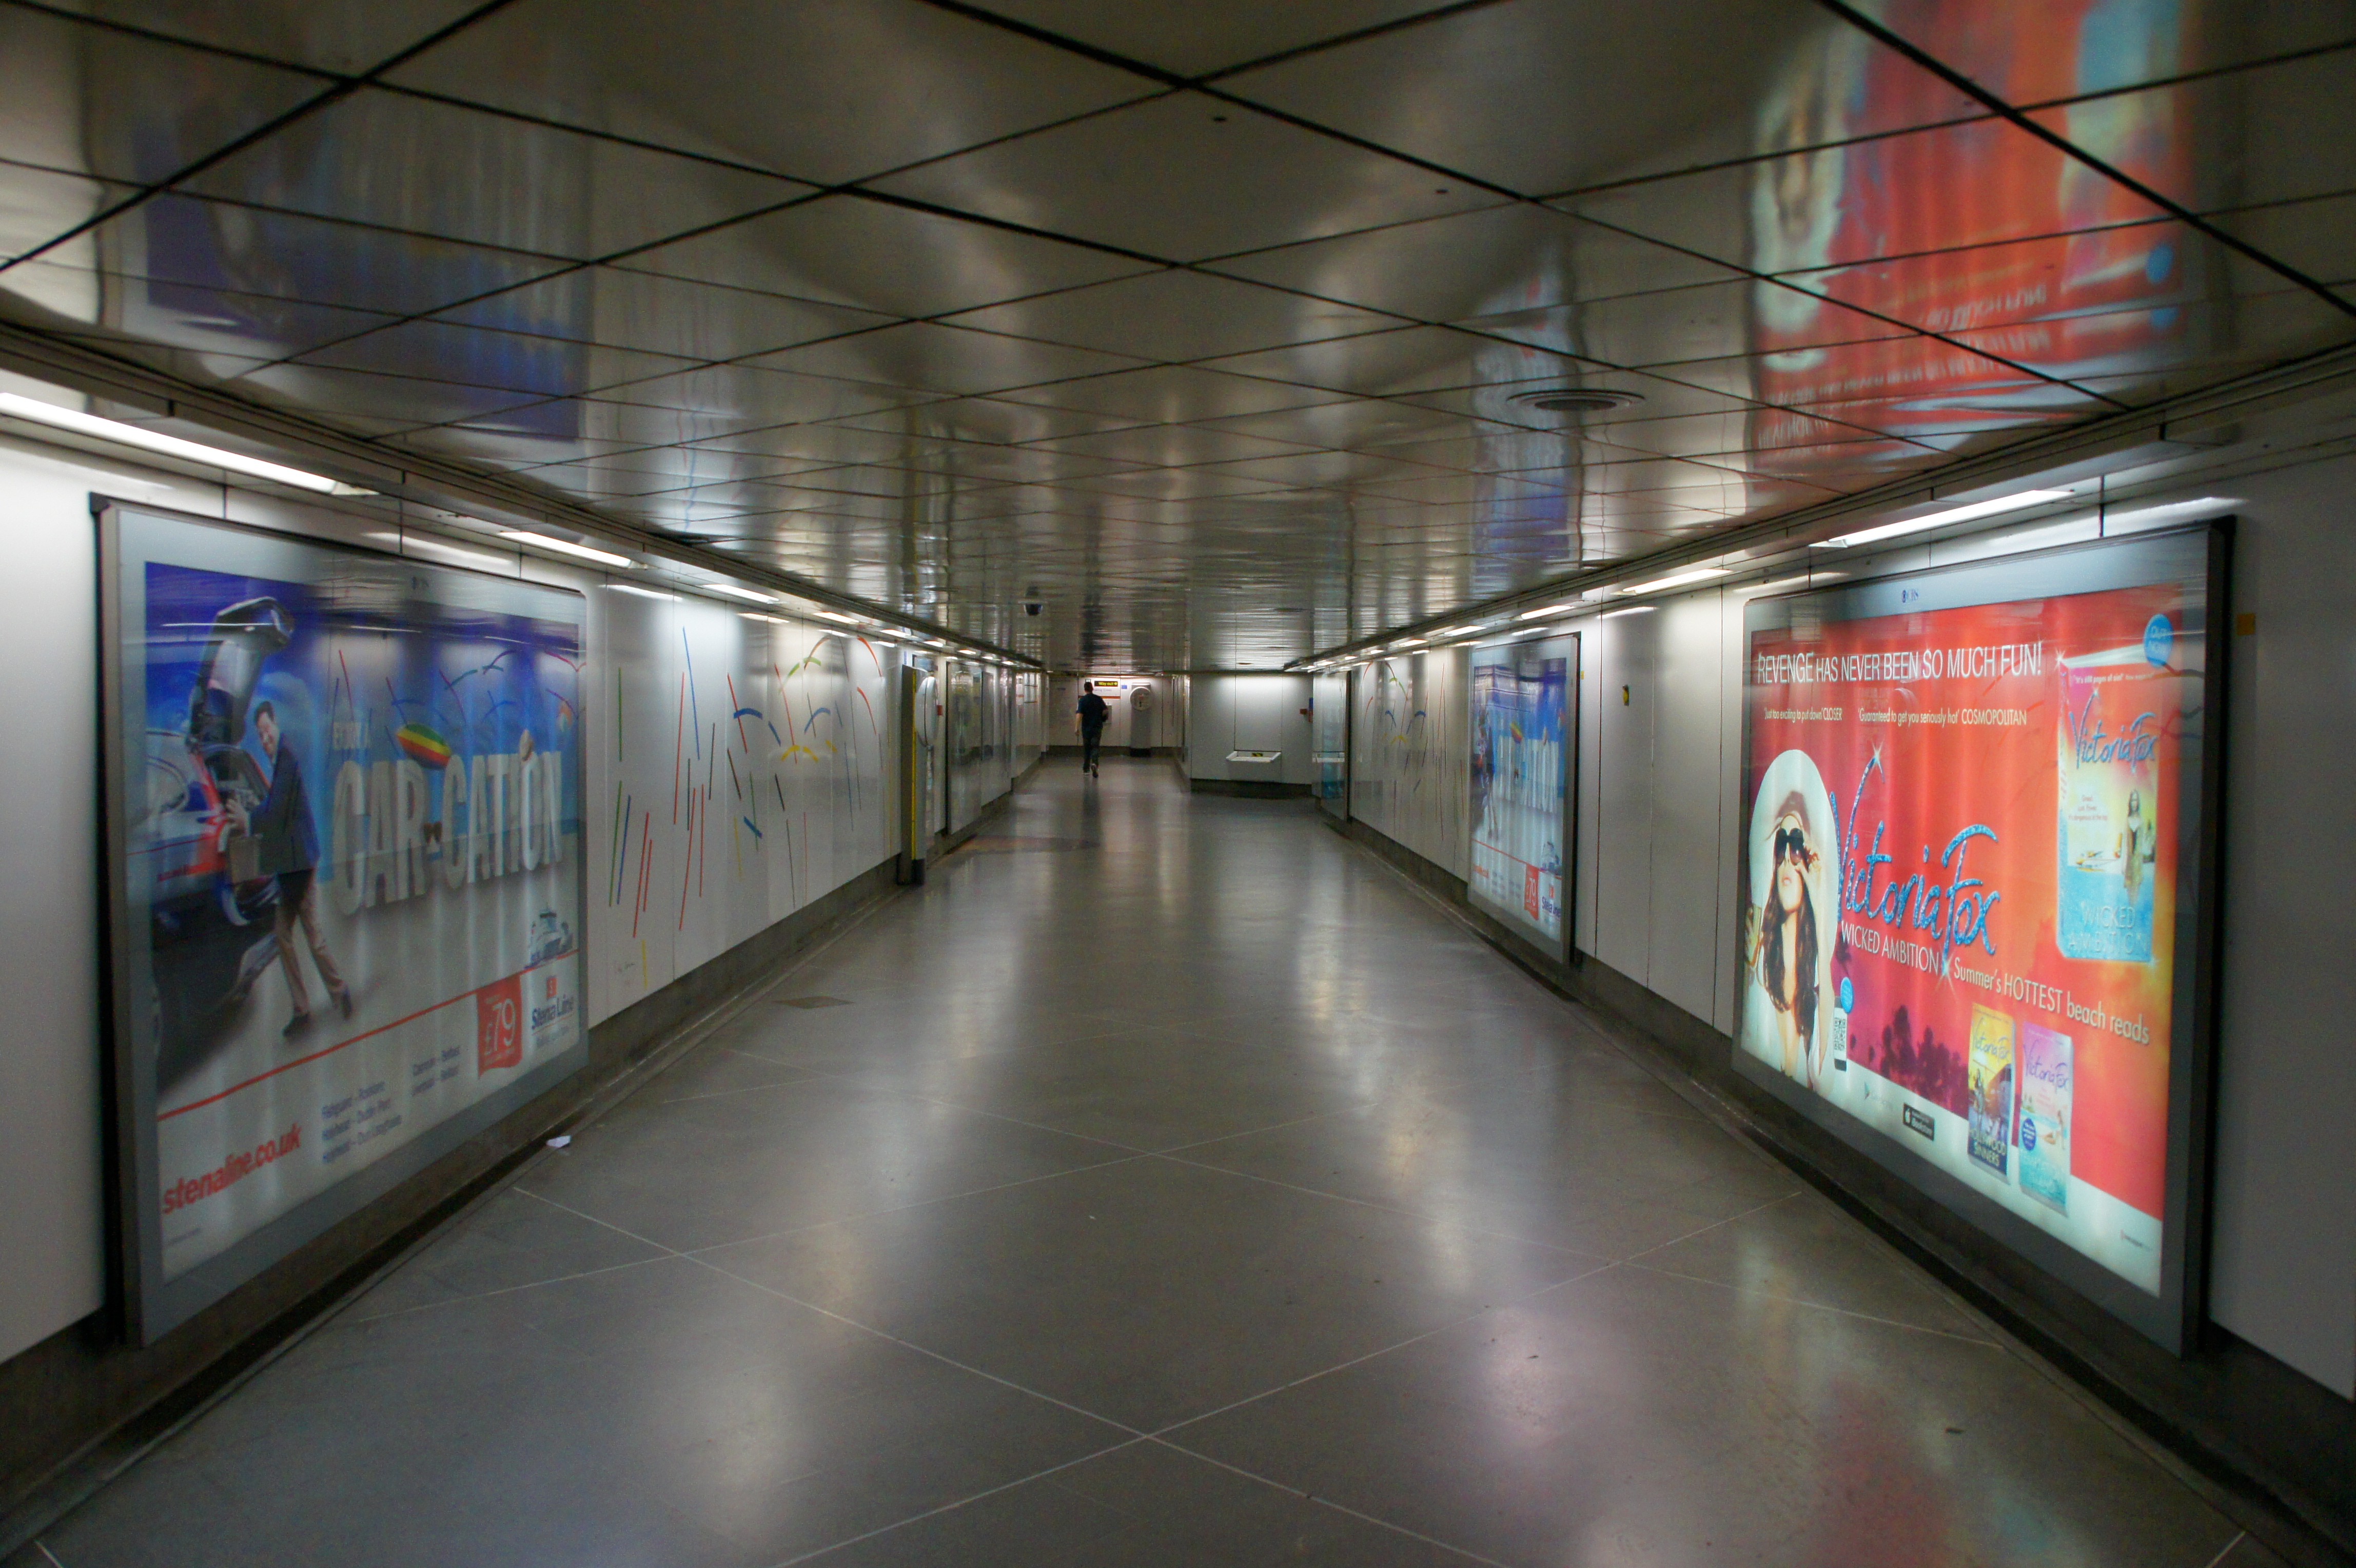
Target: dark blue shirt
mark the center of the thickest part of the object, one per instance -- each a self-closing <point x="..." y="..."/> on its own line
<point x="290" y="839"/>
<point x="1093" y="711"/>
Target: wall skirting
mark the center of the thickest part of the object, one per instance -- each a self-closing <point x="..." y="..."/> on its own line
<point x="80" y="1406"/>
<point x="2275" y="1448"/>
<point x="1249" y="789"/>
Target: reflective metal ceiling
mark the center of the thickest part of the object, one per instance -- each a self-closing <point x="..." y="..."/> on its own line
<point x="1211" y="325"/>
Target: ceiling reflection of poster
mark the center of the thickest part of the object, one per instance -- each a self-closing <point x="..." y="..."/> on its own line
<point x="2027" y="261"/>
<point x="1972" y="890"/>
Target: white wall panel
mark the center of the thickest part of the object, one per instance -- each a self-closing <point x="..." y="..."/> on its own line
<point x="1625" y="712"/>
<point x="1411" y="754"/>
<point x="1249" y="712"/>
<point x="2284" y="1274"/>
<point x="743" y="761"/>
<point x="1689" y="778"/>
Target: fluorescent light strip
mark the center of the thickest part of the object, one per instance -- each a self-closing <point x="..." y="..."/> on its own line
<point x="1996" y="508"/>
<point x="2205" y="506"/>
<point x="642" y="593"/>
<point x="1698" y="575"/>
<point x="566" y="547"/>
<point x="1549" y="610"/>
<point x="155" y="441"/>
<point x="1460" y="631"/>
<point x="1806" y="580"/>
<point x="838" y="615"/>
<point x="1628" y="610"/>
<point x="753" y="594"/>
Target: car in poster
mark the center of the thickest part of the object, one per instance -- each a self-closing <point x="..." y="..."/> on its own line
<point x="211" y="912"/>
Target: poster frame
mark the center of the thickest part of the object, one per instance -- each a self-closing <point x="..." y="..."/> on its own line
<point x="1564" y="952"/>
<point x="145" y="1304"/>
<point x="2172" y="1319"/>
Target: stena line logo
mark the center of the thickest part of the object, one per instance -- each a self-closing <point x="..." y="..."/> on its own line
<point x="233" y="1170"/>
<point x="499" y="1025"/>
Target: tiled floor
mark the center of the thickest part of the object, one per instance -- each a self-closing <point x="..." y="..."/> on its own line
<point x="1176" y="1188"/>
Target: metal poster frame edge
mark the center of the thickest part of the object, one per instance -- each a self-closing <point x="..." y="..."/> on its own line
<point x="1566" y="951"/>
<point x="2173" y="1317"/>
<point x="145" y="1305"/>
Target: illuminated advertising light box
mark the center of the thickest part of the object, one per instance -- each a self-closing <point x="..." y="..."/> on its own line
<point x="1524" y="723"/>
<point x="1976" y="893"/>
<point x="344" y="882"/>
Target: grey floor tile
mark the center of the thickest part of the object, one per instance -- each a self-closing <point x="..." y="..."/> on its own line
<point x="1634" y="1417"/>
<point x="511" y="1239"/>
<point x="1154" y="1291"/>
<point x="1802" y="1249"/>
<point x="697" y="1173"/>
<point x="1431" y="1273"/>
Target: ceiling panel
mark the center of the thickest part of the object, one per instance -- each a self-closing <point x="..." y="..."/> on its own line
<point x="954" y="362"/>
<point x="219" y="321"/>
<point x="347" y="36"/>
<point x="1974" y="184"/>
<point x="628" y="309"/>
<point x="1173" y="393"/>
<point x="1183" y="177"/>
<point x="746" y="397"/>
<point x="1405" y="359"/>
<point x="890" y="293"/>
<point x="855" y="251"/>
<point x="90" y="100"/>
<point x="1676" y="325"/>
<point x="38" y="204"/>
<point x="284" y="255"/>
<point x="522" y="362"/>
<point x="1171" y="445"/>
<point x="2316" y="237"/>
<point x="411" y="399"/>
<point x="1205" y="36"/>
<point x="1176" y="316"/>
<point x="410" y="163"/>
<point x="1543" y="96"/>
<point x="2007" y="45"/>
<point x="1516" y="256"/>
<point x="1002" y="420"/>
<point x="812" y="89"/>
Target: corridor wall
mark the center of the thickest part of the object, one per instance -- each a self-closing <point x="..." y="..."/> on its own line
<point x="1660" y="772"/>
<point x="737" y="770"/>
<point x="1250" y="713"/>
<point x="746" y="762"/>
<point x="1660" y="759"/>
<point x="1411" y="754"/>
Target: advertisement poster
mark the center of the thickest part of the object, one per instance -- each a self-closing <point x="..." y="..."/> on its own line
<point x="347" y="845"/>
<point x="1967" y="827"/>
<point x="1521" y="726"/>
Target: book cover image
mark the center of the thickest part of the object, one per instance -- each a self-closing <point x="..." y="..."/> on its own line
<point x="2045" y="1075"/>
<point x="2109" y="745"/>
<point x="1989" y="1139"/>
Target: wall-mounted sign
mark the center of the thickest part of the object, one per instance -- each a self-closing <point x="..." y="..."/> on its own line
<point x="344" y="884"/>
<point x="1974" y="892"/>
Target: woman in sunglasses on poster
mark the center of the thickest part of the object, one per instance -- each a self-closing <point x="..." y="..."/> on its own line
<point x="1785" y="946"/>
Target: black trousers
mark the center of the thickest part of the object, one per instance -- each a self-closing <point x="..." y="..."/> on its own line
<point x="1091" y="741"/>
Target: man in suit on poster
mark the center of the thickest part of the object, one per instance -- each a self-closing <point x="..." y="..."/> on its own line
<point x="290" y="850"/>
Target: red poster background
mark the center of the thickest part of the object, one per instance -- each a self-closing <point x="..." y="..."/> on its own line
<point x="1920" y="753"/>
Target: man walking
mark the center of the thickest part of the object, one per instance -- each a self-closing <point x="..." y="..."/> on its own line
<point x="1094" y="712"/>
<point x="290" y="849"/>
